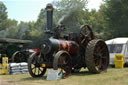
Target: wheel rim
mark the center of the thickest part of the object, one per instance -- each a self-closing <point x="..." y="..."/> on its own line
<point x="34" y="66"/>
<point x="19" y="57"/>
<point x="62" y="62"/>
<point x="101" y="58"/>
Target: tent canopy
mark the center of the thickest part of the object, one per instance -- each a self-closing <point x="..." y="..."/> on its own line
<point x="16" y="41"/>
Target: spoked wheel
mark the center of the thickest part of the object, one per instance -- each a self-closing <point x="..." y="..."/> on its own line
<point x="18" y="57"/>
<point x="86" y="34"/>
<point x="97" y="56"/>
<point x="63" y="62"/>
<point x="34" y="66"/>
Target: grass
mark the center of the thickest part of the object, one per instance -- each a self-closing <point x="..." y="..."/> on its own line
<point x="111" y="77"/>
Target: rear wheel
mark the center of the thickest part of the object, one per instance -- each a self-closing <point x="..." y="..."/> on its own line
<point x="18" y="57"/>
<point x="34" y="66"/>
<point x="63" y="62"/>
<point x="97" y="56"/>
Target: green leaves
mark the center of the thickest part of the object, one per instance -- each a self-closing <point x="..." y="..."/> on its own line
<point x="116" y="16"/>
<point x="70" y="13"/>
<point x="3" y="16"/>
<point x="108" y="22"/>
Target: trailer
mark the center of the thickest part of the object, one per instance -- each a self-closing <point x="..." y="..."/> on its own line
<point x="118" y="46"/>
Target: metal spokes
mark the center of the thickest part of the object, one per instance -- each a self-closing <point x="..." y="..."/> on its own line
<point x="63" y="62"/>
<point x="34" y="66"/>
<point x="97" y="56"/>
<point x="101" y="56"/>
<point x="19" y="57"/>
<point x="86" y="34"/>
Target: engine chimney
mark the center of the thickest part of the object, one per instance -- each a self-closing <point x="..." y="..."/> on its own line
<point x="49" y="19"/>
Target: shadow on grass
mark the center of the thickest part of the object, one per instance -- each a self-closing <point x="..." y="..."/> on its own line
<point x="82" y="73"/>
<point x="33" y="79"/>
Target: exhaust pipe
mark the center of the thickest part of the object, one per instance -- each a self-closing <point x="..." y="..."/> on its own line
<point x="49" y="18"/>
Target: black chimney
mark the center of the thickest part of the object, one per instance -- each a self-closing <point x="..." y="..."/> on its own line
<point x="49" y="18"/>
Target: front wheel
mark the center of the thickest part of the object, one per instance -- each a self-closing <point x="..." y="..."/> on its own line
<point x="34" y="65"/>
<point x="62" y="61"/>
<point x="18" y="57"/>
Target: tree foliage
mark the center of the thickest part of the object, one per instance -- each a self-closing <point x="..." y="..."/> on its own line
<point x="3" y="16"/>
<point x="70" y="13"/>
<point x="108" y="22"/>
<point x="116" y="17"/>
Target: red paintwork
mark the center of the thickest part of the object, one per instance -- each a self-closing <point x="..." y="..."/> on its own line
<point x="36" y="50"/>
<point x="70" y="46"/>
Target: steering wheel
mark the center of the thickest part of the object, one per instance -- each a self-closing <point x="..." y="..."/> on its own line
<point x="86" y="34"/>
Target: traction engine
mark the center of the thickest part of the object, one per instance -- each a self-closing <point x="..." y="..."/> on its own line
<point x="68" y="52"/>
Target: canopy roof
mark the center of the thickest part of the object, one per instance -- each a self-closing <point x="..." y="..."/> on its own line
<point x="17" y="41"/>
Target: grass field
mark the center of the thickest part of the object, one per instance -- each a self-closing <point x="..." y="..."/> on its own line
<point x="111" y="77"/>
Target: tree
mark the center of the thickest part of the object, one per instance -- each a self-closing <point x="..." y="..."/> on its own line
<point x="3" y="16"/>
<point x="22" y="29"/>
<point x="11" y="29"/>
<point x="96" y="20"/>
<point x="70" y="13"/>
<point x="40" y="24"/>
<point x="116" y="17"/>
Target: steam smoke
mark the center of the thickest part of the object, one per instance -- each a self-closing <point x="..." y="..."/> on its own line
<point x="21" y="32"/>
<point x="63" y="19"/>
<point x="67" y="18"/>
<point x="4" y="33"/>
<point x="70" y="20"/>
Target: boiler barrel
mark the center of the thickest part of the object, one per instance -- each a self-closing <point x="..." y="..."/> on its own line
<point x="54" y="45"/>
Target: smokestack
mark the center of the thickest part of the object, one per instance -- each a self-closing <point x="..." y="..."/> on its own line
<point x="49" y="18"/>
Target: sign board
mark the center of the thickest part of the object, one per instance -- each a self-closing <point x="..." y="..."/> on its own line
<point x="5" y="65"/>
<point x="0" y="68"/>
<point x="119" y="61"/>
<point x="52" y="75"/>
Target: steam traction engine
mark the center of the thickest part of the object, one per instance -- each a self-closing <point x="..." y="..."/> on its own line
<point x="68" y="52"/>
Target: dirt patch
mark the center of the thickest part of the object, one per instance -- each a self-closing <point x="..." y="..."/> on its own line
<point x="8" y="83"/>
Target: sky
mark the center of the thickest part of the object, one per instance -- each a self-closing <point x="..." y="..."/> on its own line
<point x="28" y="10"/>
